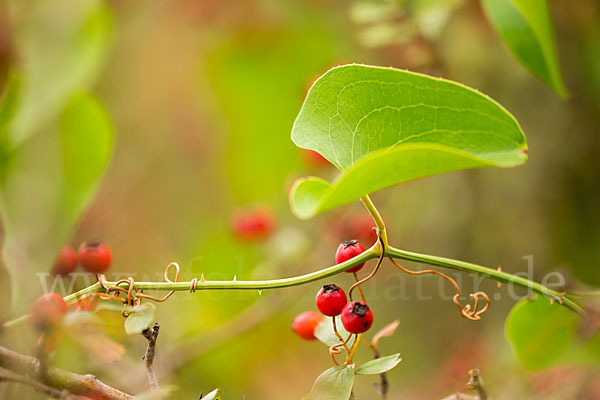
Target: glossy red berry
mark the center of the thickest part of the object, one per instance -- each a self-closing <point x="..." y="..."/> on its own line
<point x="253" y="224"/>
<point x="95" y="257"/>
<point x="65" y="263"/>
<point x="347" y="250"/>
<point x="47" y="311"/>
<point x="330" y="300"/>
<point x="305" y="324"/>
<point x="357" y="317"/>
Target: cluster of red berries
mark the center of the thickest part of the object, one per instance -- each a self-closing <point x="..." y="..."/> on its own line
<point x="49" y="310"/>
<point x="94" y="257"/>
<point x="331" y="301"/>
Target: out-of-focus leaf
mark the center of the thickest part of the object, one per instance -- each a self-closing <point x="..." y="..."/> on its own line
<point x="48" y="183"/>
<point x="526" y="28"/>
<point x="383" y="126"/>
<point x="540" y="332"/>
<point x="87" y="140"/>
<point x="386" y="331"/>
<point x="324" y="331"/>
<point x="333" y="384"/>
<point x="214" y="395"/>
<point x="379" y="365"/>
<point x="140" y="318"/>
<point x="62" y="44"/>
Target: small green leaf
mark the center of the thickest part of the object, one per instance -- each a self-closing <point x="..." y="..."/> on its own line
<point x="140" y="318"/>
<point x="379" y="365"/>
<point x="540" y="332"/>
<point x="526" y="28"/>
<point x="214" y="395"/>
<point x="324" y="331"/>
<point x="333" y="384"/>
<point x="383" y="126"/>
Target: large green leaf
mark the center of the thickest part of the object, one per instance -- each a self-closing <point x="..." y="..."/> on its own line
<point x="62" y="44"/>
<point x="379" y="365"/>
<point x="526" y="28"/>
<point x="383" y="126"/>
<point x="540" y="332"/>
<point x="333" y="384"/>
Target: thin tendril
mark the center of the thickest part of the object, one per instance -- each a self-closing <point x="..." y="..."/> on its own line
<point x="466" y="311"/>
<point x="372" y="274"/>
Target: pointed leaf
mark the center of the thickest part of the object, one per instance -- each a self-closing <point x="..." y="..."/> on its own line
<point x="141" y="317"/>
<point x="383" y="126"/>
<point x="540" y="332"/>
<point x="333" y="384"/>
<point x="526" y="28"/>
<point x="379" y="365"/>
<point x="386" y="331"/>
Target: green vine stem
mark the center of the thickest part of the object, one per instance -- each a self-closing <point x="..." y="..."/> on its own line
<point x="373" y="252"/>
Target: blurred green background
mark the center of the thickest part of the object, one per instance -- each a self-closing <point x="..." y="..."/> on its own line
<point x="202" y="96"/>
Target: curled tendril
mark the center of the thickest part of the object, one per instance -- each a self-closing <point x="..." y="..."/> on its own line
<point x="466" y="311"/>
<point x="134" y="296"/>
<point x="335" y="349"/>
<point x="474" y="314"/>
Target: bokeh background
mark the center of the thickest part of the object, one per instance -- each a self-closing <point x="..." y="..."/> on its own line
<point x="202" y="96"/>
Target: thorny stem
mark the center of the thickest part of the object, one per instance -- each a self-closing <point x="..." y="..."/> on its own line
<point x="373" y="252"/>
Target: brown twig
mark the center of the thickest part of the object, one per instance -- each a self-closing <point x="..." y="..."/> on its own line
<point x="476" y="384"/>
<point x="151" y="334"/>
<point x="80" y="385"/>
<point x="8" y="376"/>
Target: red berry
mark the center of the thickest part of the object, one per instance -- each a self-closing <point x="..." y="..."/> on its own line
<point x="95" y="257"/>
<point x="347" y="250"/>
<point x="65" y="263"/>
<point x="330" y="300"/>
<point x="253" y="224"/>
<point x="305" y="323"/>
<point x="357" y="317"/>
<point x="47" y="311"/>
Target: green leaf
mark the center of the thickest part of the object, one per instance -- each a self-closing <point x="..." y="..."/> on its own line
<point x="333" y="384"/>
<point x="87" y="140"/>
<point x="526" y="28"/>
<point x="324" y="331"/>
<point x="540" y="332"/>
<point x="379" y="365"/>
<point x="140" y="318"/>
<point x="382" y="126"/>
<point x="214" y="395"/>
<point x="62" y="53"/>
